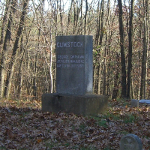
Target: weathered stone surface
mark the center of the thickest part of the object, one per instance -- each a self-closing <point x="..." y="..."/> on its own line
<point x="74" y="79"/>
<point x="144" y="101"/>
<point x="130" y="142"/>
<point x="80" y="105"/>
<point x="137" y="103"/>
<point x="134" y="103"/>
<point x="74" y="64"/>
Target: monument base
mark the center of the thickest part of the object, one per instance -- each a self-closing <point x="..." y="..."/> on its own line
<point x="81" y="105"/>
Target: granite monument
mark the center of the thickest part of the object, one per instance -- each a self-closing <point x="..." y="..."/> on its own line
<point x="74" y="78"/>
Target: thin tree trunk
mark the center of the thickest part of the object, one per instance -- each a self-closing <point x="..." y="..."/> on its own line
<point x="3" y="53"/>
<point x="99" y="32"/>
<point x="99" y="78"/>
<point x="144" y="57"/>
<point x="74" y="25"/>
<point x="19" y="75"/>
<point x="4" y="20"/>
<point x="116" y="79"/>
<point x="98" y="26"/>
<point x="102" y="22"/>
<point x="148" y="46"/>
<point x="15" y="47"/>
<point x="81" y="20"/>
<point x="98" y="41"/>
<point x="105" y="70"/>
<point x="69" y="17"/>
<point x="123" y="70"/>
<point x="96" y="77"/>
<point x="130" y="49"/>
<point x="85" y="21"/>
<point x="51" y="61"/>
<point x="61" y="18"/>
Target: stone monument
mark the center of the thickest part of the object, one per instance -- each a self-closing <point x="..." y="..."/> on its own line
<point x="130" y="142"/>
<point x="74" y="67"/>
<point x="74" y="78"/>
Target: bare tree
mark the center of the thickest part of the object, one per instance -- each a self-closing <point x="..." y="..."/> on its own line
<point x="6" y="43"/>
<point x="145" y="47"/>
<point x="121" y="29"/>
<point x="130" y="48"/>
<point x="14" y="50"/>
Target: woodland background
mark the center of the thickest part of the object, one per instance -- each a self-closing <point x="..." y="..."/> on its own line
<point x="121" y="52"/>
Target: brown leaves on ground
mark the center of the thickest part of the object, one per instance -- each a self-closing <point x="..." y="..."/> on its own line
<point x="26" y="127"/>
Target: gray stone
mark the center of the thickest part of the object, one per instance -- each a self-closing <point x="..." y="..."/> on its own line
<point x="144" y="101"/>
<point x="134" y="103"/>
<point x="137" y="103"/>
<point x="81" y="105"/>
<point x="74" y="64"/>
<point x="74" y="79"/>
<point x="130" y="142"/>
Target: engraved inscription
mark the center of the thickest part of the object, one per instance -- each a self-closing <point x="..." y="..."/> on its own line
<point x="74" y="64"/>
<point x="69" y="44"/>
<point x="70" y="61"/>
<point x="128" y="143"/>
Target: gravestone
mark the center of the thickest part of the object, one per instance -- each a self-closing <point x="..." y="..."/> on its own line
<point x="130" y="142"/>
<point x="134" y="103"/>
<point x="74" y="65"/>
<point x="144" y="101"/>
<point x="137" y="103"/>
<point x="74" y="78"/>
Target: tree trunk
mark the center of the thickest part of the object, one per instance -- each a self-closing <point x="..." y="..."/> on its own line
<point x="15" y="47"/>
<point x="99" y="32"/>
<point x="6" y="42"/>
<point x="61" y="18"/>
<point x="51" y="61"/>
<point x="102" y="22"/>
<point x="97" y="77"/>
<point x="105" y="70"/>
<point x="130" y="49"/>
<point x="19" y="75"/>
<point x="85" y="21"/>
<point x="116" y="79"/>
<point x="121" y="30"/>
<point x="4" y="20"/>
<point x="69" y="17"/>
<point x="144" y="57"/>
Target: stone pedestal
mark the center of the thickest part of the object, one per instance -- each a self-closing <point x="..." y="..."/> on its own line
<point x="79" y="105"/>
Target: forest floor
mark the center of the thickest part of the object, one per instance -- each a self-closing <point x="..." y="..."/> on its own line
<point x="24" y="126"/>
